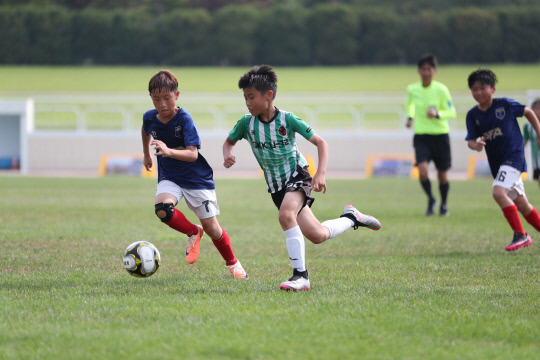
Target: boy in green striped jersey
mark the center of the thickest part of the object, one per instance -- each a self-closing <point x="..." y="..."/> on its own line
<point x="429" y="107"/>
<point x="271" y="134"/>
<point x="530" y="134"/>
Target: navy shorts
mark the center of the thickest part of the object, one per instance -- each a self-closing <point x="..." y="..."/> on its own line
<point x="300" y="182"/>
<point x="434" y="148"/>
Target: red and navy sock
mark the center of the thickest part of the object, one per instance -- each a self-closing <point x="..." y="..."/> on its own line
<point x="534" y="219"/>
<point x="512" y="216"/>
<point x="223" y="244"/>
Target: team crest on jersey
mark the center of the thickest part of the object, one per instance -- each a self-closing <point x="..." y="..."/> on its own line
<point x="282" y="130"/>
<point x="178" y="131"/>
<point x="477" y="122"/>
<point x="499" y="113"/>
<point x="153" y="134"/>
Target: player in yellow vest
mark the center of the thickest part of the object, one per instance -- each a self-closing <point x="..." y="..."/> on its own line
<point x="429" y="107"/>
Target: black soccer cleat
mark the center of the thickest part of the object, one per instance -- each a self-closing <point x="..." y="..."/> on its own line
<point x="432" y="203"/>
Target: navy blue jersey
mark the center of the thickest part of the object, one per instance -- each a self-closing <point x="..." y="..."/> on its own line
<point x="179" y="133"/>
<point x="502" y="134"/>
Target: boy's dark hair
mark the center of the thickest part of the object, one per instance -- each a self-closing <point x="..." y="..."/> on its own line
<point x="163" y="80"/>
<point x="429" y="59"/>
<point x="261" y="77"/>
<point x="482" y="76"/>
<point x="535" y="103"/>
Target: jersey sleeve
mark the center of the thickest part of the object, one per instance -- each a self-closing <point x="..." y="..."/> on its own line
<point x="146" y="122"/>
<point x="409" y="105"/>
<point x="191" y="135"/>
<point x="447" y="109"/>
<point x="300" y="126"/>
<point x="239" y="130"/>
<point x="472" y="131"/>
<point x="516" y="108"/>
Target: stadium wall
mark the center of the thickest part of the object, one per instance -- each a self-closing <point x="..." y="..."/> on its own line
<point x="72" y="153"/>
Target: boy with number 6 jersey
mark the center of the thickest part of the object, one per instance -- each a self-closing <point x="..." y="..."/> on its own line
<point x="182" y="172"/>
<point x="271" y="134"/>
<point x="492" y="124"/>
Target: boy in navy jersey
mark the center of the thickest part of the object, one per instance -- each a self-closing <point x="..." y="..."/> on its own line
<point x="182" y="171"/>
<point x="492" y="124"/>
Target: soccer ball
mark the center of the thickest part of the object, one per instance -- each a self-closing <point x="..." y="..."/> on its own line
<point x="141" y="259"/>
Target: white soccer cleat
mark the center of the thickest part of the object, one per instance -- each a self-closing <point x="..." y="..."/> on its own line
<point x="295" y="283"/>
<point x="359" y="219"/>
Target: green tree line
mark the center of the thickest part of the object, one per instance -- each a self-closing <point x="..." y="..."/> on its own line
<point x="282" y="33"/>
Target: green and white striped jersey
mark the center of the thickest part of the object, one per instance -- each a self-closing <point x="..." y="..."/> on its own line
<point x="274" y="145"/>
<point x="530" y="135"/>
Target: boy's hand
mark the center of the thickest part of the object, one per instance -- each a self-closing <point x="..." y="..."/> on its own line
<point x="229" y="161"/>
<point x="318" y="183"/>
<point x="432" y="112"/>
<point x="161" y="148"/>
<point x="408" y="124"/>
<point x="147" y="162"/>
<point x="480" y="143"/>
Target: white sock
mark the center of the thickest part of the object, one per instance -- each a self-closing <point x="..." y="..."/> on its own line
<point x="296" y="248"/>
<point x="338" y="226"/>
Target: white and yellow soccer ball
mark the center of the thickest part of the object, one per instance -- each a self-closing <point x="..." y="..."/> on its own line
<point x="141" y="259"/>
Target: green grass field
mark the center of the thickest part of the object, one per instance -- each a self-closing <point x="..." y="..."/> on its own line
<point x="37" y="79"/>
<point x="63" y="93"/>
<point x="420" y="288"/>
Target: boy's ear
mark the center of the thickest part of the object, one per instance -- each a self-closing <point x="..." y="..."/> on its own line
<point x="269" y="95"/>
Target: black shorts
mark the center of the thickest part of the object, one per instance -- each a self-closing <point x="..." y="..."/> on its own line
<point x="300" y="182"/>
<point x="433" y="147"/>
<point x="536" y="173"/>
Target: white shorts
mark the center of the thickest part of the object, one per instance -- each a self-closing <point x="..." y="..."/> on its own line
<point x="510" y="179"/>
<point x="202" y="202"/>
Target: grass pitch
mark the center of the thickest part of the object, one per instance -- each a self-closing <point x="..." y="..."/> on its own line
<point x="78" y="79"/>
<point x="420" y="288"/>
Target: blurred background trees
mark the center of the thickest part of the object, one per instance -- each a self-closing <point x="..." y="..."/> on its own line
<point x="280" y="32"/>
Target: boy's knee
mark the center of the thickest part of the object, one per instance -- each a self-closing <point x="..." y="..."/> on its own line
<point x="164" y="211"/>
<point x="285" y="216"/>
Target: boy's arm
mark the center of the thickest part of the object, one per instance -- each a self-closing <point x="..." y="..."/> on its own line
<point x="409" y="108"/>
<point x="228" y="158"/>
<point x="476" y="144"/>
<point x="147" y="160"/>
<point x="319" y="179"/>
<point x="535" y="123"/>
<point x="447" y="110"/>
<point x="189" y="154"/>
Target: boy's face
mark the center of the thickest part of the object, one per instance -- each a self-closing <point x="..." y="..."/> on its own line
<point x="482" y="93"/>
<point x="165" y="102"/>
<point x="257" y="102"/>
<point x="426" y="72"/>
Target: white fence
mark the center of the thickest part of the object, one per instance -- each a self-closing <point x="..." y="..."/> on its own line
<point x="363" y="111"/>
<point x="76" y="131"/>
